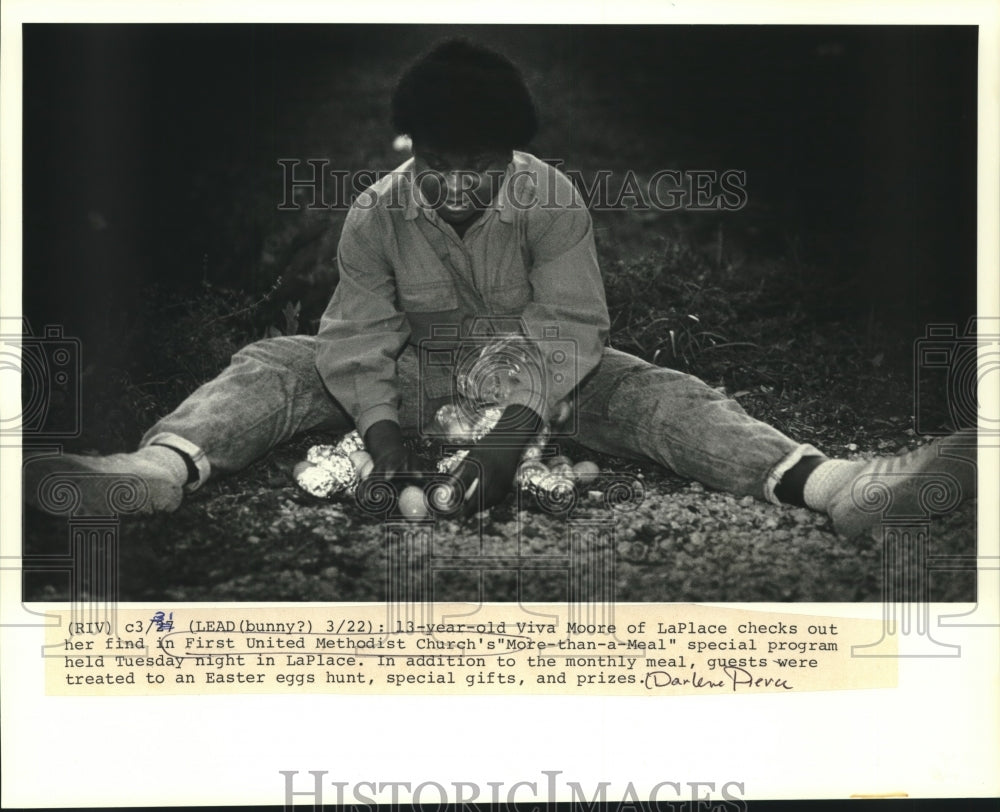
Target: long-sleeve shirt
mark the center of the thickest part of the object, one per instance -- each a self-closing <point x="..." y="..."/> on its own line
<point x="407" y="277"/>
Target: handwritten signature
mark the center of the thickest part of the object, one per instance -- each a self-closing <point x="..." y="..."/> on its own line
<point x="735" y="679"/>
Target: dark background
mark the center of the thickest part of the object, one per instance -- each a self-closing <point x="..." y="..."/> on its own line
<point x="150" y="151"/>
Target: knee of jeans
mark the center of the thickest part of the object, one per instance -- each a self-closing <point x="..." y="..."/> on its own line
<point x="281" y="351"/>
<point x="281" y="355"/>
<point x="252" y="354"/>
<point x="685" y="398"/>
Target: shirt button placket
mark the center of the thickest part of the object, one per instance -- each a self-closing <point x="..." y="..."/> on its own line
<point x="462" y="262"/>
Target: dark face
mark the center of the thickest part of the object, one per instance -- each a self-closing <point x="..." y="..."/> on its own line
<point x="458" y="185"/>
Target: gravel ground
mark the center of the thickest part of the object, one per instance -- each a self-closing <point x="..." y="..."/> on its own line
<point x="257" y="537"/>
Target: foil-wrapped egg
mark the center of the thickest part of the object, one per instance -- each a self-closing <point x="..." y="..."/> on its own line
<point x="454" y="424"/>
<point x="362" y="462"/>
<point x="350" y="443"/>
<point x="531" y="471"/>
<point x="330" y="459"/>
<point x="532" y="452"/>
<point x="556" y="485"/>
<point x="486" y="421"/>
<point x="446" y="415"/>
<point x="315" y="480"/>
<point x="531" y="476"/>
<point x="318" y="453"/>
<point x="448" y="464"/>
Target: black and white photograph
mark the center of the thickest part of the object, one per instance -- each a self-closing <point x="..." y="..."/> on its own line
<point x="707" y="292"/>
<point x="634" y="326"/>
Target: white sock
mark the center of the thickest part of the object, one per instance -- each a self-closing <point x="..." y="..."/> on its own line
<point x="171" y="462"/>
<point x="828" y="479"/>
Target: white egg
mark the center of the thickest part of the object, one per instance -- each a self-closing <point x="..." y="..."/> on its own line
<point x="411" y="503"/>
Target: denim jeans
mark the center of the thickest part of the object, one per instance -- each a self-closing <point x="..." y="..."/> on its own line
<point x="626" y="407"/>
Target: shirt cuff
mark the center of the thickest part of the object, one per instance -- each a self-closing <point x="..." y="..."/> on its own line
<point x="373" y="414"/>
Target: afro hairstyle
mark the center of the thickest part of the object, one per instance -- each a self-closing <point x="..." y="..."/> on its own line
<point x="463" y="97"/>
